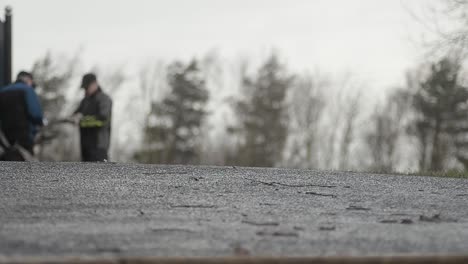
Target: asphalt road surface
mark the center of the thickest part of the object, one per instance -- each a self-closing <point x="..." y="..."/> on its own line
<point x="63" y="209"/>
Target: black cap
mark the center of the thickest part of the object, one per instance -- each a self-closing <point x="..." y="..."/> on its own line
<point x="88" y="79"/>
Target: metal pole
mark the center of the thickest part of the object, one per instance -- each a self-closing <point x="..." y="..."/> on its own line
<point x="8" y="45"/>
<point x="2" y="54"/>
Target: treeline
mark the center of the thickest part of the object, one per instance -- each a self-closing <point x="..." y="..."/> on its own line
<point x="275" y="118"/>
<point x="215" y="111"/>
<point x="310" y="121"/>
<point x="204" y="112"/>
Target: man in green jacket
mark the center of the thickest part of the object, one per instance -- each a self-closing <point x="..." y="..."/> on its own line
<point x="94" y="118"/>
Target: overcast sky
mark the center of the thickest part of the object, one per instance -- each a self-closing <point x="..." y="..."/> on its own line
<point x="375" y="39"/>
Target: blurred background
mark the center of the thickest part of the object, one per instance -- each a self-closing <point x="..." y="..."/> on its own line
<point x="368" y="85"/>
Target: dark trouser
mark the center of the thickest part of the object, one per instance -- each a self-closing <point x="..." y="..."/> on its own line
<point x="93" y="154"/>
<point x="29" y="148"/>
<point x="13" y="154"/>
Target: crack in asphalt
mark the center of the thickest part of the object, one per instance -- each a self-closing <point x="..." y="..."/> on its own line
<point x="164" y="173"/>
<point x="170" y="230"/>
<point x="388" y="221"/>
<point x="327" y="228"/>
<point x="322" y="194"/>
<point x="277" y="234"/>
<point x="404" y="221"/>
<point x="435" y="219"/>
<point x="250" y="222"/>
<point x="292" y="185"/>
<point x="193" y="206"/>
<point x="357" y="208"/>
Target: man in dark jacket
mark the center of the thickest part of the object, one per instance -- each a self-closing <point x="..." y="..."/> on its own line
<point x="94" y="118"/>
<point x="20" y="112"/>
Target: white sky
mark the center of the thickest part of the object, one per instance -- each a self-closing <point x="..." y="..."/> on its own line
<point x="374" y="39"/>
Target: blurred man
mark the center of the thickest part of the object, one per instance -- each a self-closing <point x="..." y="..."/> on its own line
<point x="94" y="118"/>
<point x="20" y="112"/>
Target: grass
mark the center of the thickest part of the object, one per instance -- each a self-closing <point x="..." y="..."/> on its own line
<point x="448" y="173"/>
<point x="453" y="173"/>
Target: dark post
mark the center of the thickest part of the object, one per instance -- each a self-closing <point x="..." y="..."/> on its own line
<point x="5" y="49"/>
<point x="2" y="53"/>
<point x="8" y="45"/>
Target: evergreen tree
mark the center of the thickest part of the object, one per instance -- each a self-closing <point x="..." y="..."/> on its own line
<point x="440" y="105"/>
<point x="53" y="75"/>
<point x="172" y="134"/>
<point x="262" y="115"/>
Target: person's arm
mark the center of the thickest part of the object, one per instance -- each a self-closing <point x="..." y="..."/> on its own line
<point x="105" y="109"/>
<point x="78" y="109"/>
<point x="101" y="118"/>
<point x="77" y="114"/>
<point x="34" y="107"/>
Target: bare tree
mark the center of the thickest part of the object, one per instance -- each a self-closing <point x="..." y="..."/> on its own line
<point x="151" y="86"/>
<point x="306" y="105"/>
<point x="340" y="133"/>
<point x="454" y="36"/>
<point x="111" y="78"/>
<point x="213" y="132"/>
<point x="387" y="128"/>
<point x="446" y="25"/>
<point x="349" y="129"/>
